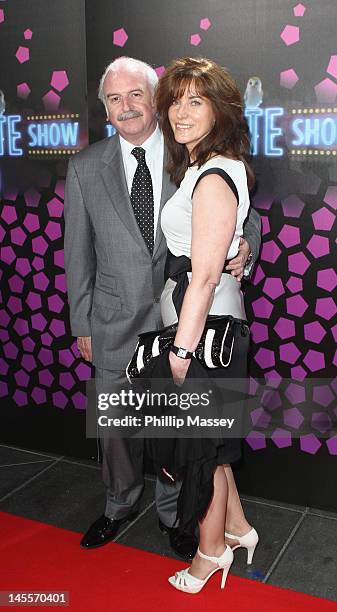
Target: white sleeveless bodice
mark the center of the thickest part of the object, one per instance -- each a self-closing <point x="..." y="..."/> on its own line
<point x="176" y="223"/>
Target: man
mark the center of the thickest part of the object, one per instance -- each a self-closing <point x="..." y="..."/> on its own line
<point x="114" y="257"/>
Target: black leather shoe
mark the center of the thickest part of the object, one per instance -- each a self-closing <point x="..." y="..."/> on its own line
<point x="104" y="530"/>
<point x="183" y="544"/>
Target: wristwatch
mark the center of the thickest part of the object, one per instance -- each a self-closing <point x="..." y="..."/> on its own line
<point x="181" y="352"/>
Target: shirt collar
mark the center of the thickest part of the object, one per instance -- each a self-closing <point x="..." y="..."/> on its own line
<point x="149" y="145"/>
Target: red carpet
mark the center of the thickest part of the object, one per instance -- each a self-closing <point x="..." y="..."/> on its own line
<point x="37" y="557"/>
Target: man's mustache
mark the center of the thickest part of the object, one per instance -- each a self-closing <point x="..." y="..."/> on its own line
<point x="129" y="115"/>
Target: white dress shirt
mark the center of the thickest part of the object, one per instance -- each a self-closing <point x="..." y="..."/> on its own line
<point x="154" y="157"/>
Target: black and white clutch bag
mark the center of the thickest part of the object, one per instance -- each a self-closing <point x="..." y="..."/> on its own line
<point x="214" y="349"/>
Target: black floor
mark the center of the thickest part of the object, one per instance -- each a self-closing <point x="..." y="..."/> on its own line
<point x="297" y="548"/>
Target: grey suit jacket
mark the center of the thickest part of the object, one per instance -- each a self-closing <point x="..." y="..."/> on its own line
<point x="252" y="233"/>
<point x="114" y="285"/>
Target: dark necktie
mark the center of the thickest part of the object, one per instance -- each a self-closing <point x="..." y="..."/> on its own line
<point x="142" y="198"/>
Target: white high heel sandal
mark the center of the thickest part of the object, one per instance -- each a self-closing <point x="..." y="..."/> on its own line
<point x="184" y="581"/>
<point x="248" y="541"/>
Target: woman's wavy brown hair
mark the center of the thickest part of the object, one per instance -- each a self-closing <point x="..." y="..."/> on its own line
<point x="229" y="135"/>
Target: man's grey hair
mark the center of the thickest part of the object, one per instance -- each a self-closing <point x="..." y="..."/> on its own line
<point x="131" y="65"/>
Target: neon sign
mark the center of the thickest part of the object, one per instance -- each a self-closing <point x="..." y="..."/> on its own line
<point x="47" y="134"/>
<point x="9" y="135"/>
<point x="315" y="132"/>
<point x="53" y="134"/>
<point x="263" y="120"/>
<point x="110" y="130"/>
<point x="274" y="131"/>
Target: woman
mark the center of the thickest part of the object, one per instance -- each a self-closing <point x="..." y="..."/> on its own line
<point x="201" y="115"/>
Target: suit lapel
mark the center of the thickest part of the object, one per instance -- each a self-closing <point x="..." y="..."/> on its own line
<point x="113" y="176"/>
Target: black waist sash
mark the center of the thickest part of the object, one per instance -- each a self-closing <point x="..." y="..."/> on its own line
<point x="177" y="268"/>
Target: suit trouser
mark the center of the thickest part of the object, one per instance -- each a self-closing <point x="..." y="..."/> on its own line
<point x="123" y="472"/>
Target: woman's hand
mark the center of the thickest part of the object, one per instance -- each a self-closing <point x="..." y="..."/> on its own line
<point x="179" y="368"/>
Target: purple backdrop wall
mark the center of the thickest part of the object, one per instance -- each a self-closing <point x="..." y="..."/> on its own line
<point x="292" y="300"/>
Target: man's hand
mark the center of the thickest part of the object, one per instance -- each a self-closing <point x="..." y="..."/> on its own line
<point x="238" y="263"/>
<point x="84" y="346"/>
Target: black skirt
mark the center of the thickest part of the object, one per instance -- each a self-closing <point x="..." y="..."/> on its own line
<point x="194" y="460"/>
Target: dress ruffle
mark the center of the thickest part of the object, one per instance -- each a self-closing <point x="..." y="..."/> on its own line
<point x="190" y="460"/>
